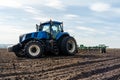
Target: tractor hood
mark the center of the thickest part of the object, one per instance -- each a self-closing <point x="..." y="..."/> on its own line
<point x="34" y="35"/>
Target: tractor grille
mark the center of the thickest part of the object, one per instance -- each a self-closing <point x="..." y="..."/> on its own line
<point x="28" y="36"/>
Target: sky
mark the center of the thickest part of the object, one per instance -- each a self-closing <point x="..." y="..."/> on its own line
<point x="91" y="22"/>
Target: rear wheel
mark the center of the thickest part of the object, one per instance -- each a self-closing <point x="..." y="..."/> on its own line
<point x="34" y="49"/>
<point x="68" y="45"/>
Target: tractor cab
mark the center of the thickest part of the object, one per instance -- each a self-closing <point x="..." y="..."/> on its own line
<point x="53" y="28"/>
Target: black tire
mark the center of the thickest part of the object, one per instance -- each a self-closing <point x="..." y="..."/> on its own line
<point x="103" y="50"/>
<point x="68" y="46"/>
<point x="59" y="42"/>
<point x="34" y="49"/>
<point x="20" y="54"/>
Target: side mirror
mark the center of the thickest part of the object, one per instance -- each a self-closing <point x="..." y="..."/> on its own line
<point x="62" y="27"/>
<point x="62" y="30"/>
<point x="37" y="27"/>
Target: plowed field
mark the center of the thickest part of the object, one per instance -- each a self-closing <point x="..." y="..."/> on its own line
<point x="87" y="65"/>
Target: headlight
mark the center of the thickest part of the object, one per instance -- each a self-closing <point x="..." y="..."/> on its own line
<point x="21" y="38"/>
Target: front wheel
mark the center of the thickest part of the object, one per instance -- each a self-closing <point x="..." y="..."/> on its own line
<point x="68" y="46"/>
<point x="34" y="49"/>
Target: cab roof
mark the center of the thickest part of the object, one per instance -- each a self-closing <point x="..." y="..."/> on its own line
<point x="48" y="22"/>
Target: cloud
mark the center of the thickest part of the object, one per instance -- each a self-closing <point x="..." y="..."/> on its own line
<point x="56" y="4"/>
<point x="13" y="29"/>
<point x="6" y="17"/>
<point x="31" y="10"/>
<point x="10" y="3"/>
<point x="70" y="30"/>
<point x="10" y="34"/>
<point x="41" y="18"/>
<point x="115" y="10"/>
<point x="71" y="15"/>
<point x="91" y="31"/>
<point x="86" y="28"/>
<point x="100" y="7"/>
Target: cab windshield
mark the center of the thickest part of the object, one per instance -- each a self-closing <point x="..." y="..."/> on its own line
<point x="54" y="27"/>
<point x="45" y="27"/>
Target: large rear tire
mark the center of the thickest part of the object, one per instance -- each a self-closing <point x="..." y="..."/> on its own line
<point x="68" y="46"/>
<point x="34" y="49"/>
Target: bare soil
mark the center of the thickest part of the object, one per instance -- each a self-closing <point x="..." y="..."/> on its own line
<point x="85" y="65"/>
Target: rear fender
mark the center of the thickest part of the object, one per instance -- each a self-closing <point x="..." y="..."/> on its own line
<point x="61" y="34"/>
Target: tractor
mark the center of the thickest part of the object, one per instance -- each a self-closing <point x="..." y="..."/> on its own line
<point x="48" y="38"/>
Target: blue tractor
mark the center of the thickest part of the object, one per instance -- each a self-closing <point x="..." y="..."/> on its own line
<point x="49" y="38"/>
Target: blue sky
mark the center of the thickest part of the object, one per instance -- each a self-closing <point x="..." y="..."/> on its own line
<point x="91" y="22"/>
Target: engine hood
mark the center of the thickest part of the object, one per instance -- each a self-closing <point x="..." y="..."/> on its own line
<point x="32" y="35"/>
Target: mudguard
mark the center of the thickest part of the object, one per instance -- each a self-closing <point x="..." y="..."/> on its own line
<point x="60" y="34"/>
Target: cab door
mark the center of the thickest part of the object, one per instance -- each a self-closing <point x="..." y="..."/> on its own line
<point x="55" y="30"/>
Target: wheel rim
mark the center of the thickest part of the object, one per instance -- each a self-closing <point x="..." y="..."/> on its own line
<point x="34" y="50"/>
<point x="71" y="46"/>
